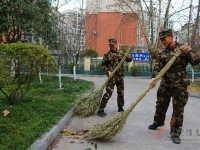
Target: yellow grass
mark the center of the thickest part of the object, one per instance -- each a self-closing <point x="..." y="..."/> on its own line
<point x="194" y="87"/>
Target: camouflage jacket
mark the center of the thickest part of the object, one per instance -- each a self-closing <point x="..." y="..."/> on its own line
<point x="110" y="61"/>
<point x="176" y="76"/>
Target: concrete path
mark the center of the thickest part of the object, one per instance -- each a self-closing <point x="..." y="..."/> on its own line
<point x="134" y="135"/>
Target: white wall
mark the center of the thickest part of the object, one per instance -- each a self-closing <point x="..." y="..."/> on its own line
<point x="95" y="6"/>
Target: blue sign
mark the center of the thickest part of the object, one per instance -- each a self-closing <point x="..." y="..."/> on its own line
<point x="140" y="56"/>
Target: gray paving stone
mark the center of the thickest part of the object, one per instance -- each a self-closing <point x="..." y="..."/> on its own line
<point x="134" y="135"/>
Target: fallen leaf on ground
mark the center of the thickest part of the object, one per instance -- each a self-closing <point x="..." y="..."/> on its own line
<point x="85" y="131"/>
<point x="66" y="134"/>
<point x="5" y="112"/>
<point x="63" y="131"/>
<point x="72" y="142"/>
<point x="77" y="136"/>
<point x="70" y="132"/>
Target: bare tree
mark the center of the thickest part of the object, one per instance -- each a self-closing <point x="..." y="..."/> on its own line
<point x="60" y="3"/>
<point x="195" y="37"/>
<point x="70" y="29"/>
<point x="159" y="10"/>
<point x="74" y="34"/>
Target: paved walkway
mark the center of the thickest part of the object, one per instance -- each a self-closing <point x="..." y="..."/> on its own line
<point x="134" y="135"/>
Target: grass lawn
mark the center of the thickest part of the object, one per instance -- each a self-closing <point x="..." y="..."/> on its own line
<point x="45" y="106"/>
<point x="194" y="87"/>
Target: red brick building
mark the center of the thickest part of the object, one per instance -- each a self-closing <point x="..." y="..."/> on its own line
<point x="107" y="22"/>
<point x="104" y="25"/>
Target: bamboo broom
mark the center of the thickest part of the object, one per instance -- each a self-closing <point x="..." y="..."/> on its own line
<point x="89" y="103"/>
<point x="112" y="127"/>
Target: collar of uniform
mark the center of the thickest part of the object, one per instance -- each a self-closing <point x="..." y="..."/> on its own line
<point x="113" y="51"/>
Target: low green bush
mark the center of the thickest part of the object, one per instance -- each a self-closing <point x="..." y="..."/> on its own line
<point x="134" y="69"/>
<point x="90" y="53"/>
<point x="19" y="64"/>
<point x="197" y="68"/>
<point x="98" y="67"/>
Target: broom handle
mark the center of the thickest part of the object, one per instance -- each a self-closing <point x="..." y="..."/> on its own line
<point x="113" y="72"/>
<point x="158" y="77"/>
<point x="167" y="66"/>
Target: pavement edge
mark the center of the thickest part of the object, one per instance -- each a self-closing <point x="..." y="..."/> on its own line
<point x="46" y="140"/>
<point x="192" y="94"/>
<point x="49" y="137"/>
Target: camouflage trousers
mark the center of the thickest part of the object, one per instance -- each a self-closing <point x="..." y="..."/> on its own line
<point x="109" y="90"/>
<point x="179" y="97"/>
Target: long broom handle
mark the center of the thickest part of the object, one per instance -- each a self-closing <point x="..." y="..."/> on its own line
<point x="168" y="65"/>
<point x="119" y="65"/>
<point x="158" y="77"/>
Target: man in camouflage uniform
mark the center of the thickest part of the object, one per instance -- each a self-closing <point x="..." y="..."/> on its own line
<point x="173" y="84"/>
<point x="110" y="61"/>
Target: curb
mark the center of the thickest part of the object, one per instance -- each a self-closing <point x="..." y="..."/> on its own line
<point x="49" y="137"/>
<point x="197" y="95"/>
<point x="46" y="140"/>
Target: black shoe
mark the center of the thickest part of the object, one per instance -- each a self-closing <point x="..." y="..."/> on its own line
<point x="155" y="126"/>
<point x="176" y="139"/>
<point x="120" y="109"/>
<point x="101" y="113"/>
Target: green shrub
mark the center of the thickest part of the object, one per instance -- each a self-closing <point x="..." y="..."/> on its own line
<point x="92" y="67"/>
<point x="19" y="64"/>
<point x="134" y="69"/>
<point x="98" y="67"/>
<point x="90" y="53"/>
<point x="197" y="68"/>
<point x="79" y="66"/>
<point x="70" y="66"/>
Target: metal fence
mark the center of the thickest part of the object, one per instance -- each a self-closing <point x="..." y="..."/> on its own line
<point x="145" y="69"/>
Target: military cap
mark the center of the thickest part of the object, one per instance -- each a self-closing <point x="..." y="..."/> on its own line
<point x="112" y="41"/>
<point x="165" y="33"/>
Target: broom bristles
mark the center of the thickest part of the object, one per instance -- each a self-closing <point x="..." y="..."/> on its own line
<point x="112" y="127"/>
<point x="81" y="99"/>
<point x="90" y="105"/>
